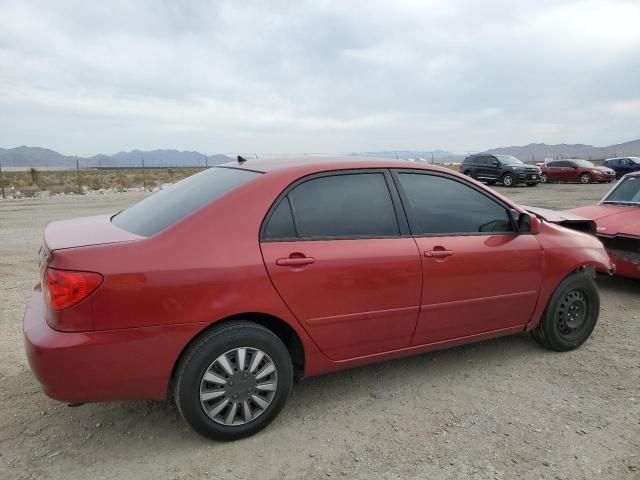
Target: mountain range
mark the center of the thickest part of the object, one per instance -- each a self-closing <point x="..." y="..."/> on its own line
<point x="540" y="151"/>
<point x="26" y="157"/>
<point x="43" y="157"/>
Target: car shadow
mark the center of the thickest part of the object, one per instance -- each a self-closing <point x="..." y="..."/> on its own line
<point x="618" y="284"/>
<point x="117" y="424"/>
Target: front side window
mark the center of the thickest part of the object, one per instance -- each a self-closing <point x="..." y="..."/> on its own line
<point x="508" y="160"/>
<point x="443" y="206"/>
<point x="344" y="206"/>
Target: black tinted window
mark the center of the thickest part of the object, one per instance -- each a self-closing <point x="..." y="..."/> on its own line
<point x="348" y="205"/>
<point x="445" y="206"/>
<point x="162" y="209"/>
<point x="280" y="225"/>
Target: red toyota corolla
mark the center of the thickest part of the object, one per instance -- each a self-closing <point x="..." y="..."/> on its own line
<point x="220" y="290"/>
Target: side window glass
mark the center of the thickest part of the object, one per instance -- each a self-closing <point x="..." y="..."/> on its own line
<point x="445" y="206"/>
<point x="280" y="225"/>
<point x="345" y="206"/>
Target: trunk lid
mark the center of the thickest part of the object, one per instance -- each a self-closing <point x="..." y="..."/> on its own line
<point x="85" y="231"/>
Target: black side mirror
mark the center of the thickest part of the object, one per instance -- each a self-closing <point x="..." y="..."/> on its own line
<point x="524" y="222"/>
<point x="496" y="163"/>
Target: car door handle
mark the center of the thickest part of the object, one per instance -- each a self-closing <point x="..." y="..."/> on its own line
<point x="295" y="261"/>
<point x="438" y="253"/>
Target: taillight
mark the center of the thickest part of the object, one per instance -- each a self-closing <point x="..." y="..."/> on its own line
<point x="64" y="288"/>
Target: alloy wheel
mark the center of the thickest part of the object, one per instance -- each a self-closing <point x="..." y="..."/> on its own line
<point x="585" y="178"/>
<point x="238" y="386"/>
<point x="543" y="178"/>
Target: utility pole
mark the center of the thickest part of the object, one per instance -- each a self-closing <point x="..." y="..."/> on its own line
<point x="431" y="158"/>
<point x="78" y="175"/>
<point x="1" y="181"/>
<point x="206" y="161"/>
<point x="144" y="177"/>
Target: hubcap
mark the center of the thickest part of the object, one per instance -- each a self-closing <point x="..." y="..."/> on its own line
<point x="238" y="386"/>
<point x="572" y="313"/>
<point x="585" y="179"/>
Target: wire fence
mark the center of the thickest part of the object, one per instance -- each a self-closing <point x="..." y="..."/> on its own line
<point x="140" y="171"/>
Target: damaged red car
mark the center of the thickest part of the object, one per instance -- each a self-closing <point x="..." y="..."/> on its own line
<point x="617" y="219"/>
<point x="221" y="290"/>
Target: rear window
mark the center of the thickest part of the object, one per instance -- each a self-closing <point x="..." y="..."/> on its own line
<point x="162" y="209"/>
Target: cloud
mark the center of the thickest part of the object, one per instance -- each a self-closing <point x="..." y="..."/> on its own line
<point x="317" y="75"/>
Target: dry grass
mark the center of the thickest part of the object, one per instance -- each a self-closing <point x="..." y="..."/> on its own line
<point x="31" y="183"/>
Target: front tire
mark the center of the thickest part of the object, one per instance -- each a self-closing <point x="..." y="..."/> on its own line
<point x="544" y="178"/>
<point x="585" y="178"/>
<point x="233" y="381"/>
<point x="507" y="180"/>
<point x="571" y="315"/>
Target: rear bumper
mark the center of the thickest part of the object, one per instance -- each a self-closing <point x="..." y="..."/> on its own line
<point x="126" y="364"/>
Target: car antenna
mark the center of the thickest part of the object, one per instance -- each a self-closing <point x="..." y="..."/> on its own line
<point x="241" y="159"/>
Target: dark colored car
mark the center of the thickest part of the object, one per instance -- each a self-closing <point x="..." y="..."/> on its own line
<point x="575" y="170"/>
<point x="220" y="290"/>
<point x="500" y="168"/>
<point x="623" y="165"/>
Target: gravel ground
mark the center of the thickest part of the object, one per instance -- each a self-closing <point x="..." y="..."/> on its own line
<point x="499" y="409"/>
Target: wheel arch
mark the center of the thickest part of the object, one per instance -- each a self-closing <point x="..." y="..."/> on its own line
<point x="279" y="327"/>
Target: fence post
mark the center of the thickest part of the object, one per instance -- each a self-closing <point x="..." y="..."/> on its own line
<point x="144" y="177"/>
<point x="1" y="181"/>
<point x="78" y="175"/>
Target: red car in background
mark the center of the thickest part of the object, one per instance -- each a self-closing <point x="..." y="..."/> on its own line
<point x="220" y="290"/>
<point x="617" y="219"/>
<point x="575" y="170"/>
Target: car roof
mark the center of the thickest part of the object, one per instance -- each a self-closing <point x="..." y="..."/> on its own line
<point x="310" y="164"/>
<point x="618" y="158"/>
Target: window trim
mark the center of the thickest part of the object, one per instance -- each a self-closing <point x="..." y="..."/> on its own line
<point x="398" y="208"/>
<point x="413" y="222"/>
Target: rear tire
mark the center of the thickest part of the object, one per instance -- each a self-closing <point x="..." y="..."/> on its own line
<point x="571" y="315"/>
<point x="219" y="391"/>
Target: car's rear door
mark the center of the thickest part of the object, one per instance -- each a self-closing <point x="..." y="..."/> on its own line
<point x="479" y="275"/>
<point x="338" y="251"/>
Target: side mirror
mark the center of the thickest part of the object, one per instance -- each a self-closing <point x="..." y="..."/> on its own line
<point x="528" y="223"/>
<point x="574" y="166"/>
<point x="495" y="163"/>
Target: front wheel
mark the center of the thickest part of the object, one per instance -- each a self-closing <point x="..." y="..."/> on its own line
<point x="233" y="381"/>
<point x="507" y="180"/>
<point x="544" y="178"/>
<point x="585" y="178"/>
<point x="571" y="315"/>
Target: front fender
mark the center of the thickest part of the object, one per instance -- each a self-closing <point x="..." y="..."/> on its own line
<point x="564" y="252"/>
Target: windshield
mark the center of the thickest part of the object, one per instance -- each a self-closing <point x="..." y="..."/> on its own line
<point x="627" y="192"/>
<point x="507" y="159"/>
<point x="584" y="163"/>
<point x="157" y="212"/>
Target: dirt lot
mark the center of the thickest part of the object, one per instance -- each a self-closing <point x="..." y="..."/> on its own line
<point x="499" y="409"/>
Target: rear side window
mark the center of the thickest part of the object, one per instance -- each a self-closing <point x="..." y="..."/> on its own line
<point x="280" y="225"/>
<point x="343" y="206"/>
<point x="442" y="206"/>
<point x="159" y="211"/>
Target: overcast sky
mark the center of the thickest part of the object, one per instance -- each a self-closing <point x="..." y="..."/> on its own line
<point x="317" y="76"/>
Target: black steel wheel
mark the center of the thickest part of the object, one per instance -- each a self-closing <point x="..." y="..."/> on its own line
<point x="571" y="314"/>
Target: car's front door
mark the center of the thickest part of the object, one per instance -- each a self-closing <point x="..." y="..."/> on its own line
<point x="479" y="275"/>
<point x="338" y="251"/>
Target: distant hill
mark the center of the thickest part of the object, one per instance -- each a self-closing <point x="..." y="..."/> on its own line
<point x="437" y="155"/>
<point x="42" y="157"/>
<point x="540" y="151"/>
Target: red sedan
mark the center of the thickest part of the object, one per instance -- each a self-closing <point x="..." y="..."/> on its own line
<point x="617" y="219"/>
<point x="577" y="171"/>
<point x="220" y="290"/>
